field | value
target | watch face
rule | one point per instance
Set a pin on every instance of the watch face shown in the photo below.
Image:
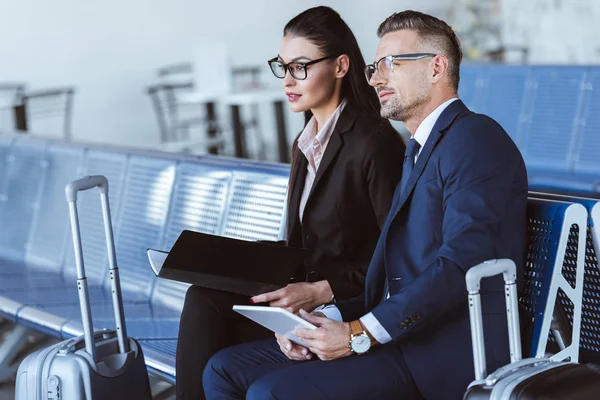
(361, 344)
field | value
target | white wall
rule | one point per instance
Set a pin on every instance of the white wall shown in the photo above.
(110, 49)
(555, 31)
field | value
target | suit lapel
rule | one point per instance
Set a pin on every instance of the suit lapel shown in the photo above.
(296, 188)
(343, 125)
(333, 147)
(444, 121)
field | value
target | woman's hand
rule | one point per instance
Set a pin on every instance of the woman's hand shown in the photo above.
(293, 351)
(296, 296)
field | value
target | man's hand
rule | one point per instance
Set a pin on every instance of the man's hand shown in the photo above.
(330, 341)
(296, 296)
(292, 350)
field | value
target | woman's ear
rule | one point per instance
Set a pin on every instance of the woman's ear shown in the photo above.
(342, 64)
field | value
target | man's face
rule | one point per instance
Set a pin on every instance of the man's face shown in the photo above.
(404, 92)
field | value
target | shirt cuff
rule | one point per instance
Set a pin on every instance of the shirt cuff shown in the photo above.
(330, 311)
(375, 328)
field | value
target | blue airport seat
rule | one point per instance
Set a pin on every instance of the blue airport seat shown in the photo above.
(554, 228)
(590, 326)
(471, 85)
(587, 153)
(50, 234)
(256, 208)
(47, 239)
(160, 357)
(550, 131)
(198, 204)
(505, 97)
(144, 210)
(25, 168)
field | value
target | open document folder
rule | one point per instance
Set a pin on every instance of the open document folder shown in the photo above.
(232, 265)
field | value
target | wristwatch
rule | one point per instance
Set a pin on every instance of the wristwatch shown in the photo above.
(360, 342)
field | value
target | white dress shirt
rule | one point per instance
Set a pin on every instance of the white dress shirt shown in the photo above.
(313, 145)
(369, 321)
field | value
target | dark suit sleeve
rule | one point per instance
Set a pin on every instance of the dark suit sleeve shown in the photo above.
(478, 169)
(382, 169)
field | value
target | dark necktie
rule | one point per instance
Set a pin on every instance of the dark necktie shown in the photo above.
(409, 161)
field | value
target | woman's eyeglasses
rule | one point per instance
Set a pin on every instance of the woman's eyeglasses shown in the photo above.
(297, 69)
(385, 65)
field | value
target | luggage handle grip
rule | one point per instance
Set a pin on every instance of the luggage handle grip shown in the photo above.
(473, 279)
(488, 269)
(85, 183)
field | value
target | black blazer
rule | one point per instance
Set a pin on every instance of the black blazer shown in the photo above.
(348, 203)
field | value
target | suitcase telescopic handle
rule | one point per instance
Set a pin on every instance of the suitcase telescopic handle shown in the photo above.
(86, 183)
(473, 279)
(71, 191)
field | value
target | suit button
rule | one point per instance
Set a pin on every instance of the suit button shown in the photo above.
(310, 239)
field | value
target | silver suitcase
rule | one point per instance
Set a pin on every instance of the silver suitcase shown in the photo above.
(527, 379)
(97, 365)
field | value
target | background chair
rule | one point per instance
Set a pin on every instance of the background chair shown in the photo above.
(11, 94)
(46, 112)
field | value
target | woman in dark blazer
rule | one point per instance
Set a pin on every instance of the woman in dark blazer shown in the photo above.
(345, 166)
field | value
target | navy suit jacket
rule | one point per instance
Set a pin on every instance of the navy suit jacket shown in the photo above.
(464, 203)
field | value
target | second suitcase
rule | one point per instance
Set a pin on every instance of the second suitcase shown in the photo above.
(528, 379)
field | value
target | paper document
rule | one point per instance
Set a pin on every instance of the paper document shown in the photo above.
(157, 259)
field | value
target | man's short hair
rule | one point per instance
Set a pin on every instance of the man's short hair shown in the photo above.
(431, 30)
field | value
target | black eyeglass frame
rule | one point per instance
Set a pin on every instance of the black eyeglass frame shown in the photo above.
(372, 68)
(286, 66)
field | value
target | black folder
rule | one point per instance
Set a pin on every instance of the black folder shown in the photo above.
(232, 265)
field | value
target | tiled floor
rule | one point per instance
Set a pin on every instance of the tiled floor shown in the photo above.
(7, 392)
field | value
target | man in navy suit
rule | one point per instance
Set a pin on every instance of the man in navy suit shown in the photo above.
(461, 201)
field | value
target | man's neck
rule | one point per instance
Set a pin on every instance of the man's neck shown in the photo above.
(412, 124)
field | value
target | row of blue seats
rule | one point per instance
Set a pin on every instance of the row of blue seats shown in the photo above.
(551, 112)
(156, 195)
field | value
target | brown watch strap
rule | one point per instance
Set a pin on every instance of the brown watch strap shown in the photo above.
(356, 328)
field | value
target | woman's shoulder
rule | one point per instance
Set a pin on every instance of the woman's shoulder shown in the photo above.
(374, 131)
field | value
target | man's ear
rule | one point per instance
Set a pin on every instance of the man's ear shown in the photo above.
(342, 65)
(440, 68)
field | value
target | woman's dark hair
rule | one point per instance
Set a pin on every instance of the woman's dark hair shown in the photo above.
(327, 30)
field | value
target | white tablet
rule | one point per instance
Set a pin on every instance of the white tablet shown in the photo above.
(276, 319)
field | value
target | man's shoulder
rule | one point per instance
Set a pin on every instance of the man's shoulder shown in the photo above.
(472, 130)
(471, 121)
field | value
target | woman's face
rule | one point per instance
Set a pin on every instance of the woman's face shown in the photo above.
(319, 86)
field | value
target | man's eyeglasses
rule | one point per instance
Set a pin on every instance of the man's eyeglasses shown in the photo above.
(385, 65)
(297, 69)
